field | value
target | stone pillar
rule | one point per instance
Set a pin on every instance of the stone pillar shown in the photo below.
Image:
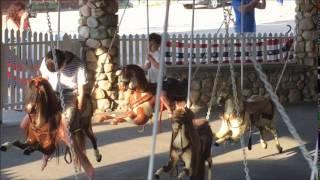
(305, 46)
(97, 26)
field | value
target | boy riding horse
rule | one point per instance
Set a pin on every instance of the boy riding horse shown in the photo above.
(73, 79)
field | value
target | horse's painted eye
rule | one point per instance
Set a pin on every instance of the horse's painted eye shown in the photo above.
(29, 108)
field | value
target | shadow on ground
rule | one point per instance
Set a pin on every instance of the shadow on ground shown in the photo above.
(259, 169)
(268, 164)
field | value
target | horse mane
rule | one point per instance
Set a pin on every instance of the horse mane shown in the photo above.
(48, 103)
(177, 90)
(138, 72)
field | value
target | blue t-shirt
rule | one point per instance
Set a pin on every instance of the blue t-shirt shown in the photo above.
(249, 23)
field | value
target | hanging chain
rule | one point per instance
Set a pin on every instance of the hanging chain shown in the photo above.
(285, 63)
(236, 103)
(214, 89)
(61, 90)
(284, 116)
(226, 19)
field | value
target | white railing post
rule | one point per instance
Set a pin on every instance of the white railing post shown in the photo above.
(220, 47)
(277, 46)
(196, 49)
(136, 52)
(130, 47)
(265, 43)
(4, 78)
(123, 58)
(215, 46)
(203, 51)
(173, 49)
(254, 47)
(232, 48)
(282, 41)
(144, 49)
(209, 49)
(36, 57)
(186, 53)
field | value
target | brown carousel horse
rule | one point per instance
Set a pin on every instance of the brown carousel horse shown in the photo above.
(45, 128)
(191, 141)
(255, 111)
(141, 100)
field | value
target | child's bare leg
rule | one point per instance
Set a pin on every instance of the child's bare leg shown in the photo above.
(25, 123)
(164, 99)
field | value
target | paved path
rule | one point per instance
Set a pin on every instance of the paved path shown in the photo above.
(126, 153)
(270, 20)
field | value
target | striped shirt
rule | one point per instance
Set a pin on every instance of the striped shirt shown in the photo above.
(71, 77)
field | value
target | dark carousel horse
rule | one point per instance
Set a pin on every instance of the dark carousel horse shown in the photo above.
(191, 138)
(255, 111)
(45, 128)
(141, 100)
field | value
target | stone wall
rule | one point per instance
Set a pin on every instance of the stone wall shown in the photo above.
(97, 27)
(98, 24)
(298, 83)
(306, 20)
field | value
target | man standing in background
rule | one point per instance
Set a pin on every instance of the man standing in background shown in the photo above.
(245, 16)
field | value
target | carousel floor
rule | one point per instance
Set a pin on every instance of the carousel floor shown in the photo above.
(126, 152)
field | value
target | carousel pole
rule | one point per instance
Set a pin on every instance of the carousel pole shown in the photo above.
(58, 39)
(191, 56)
(159, 87)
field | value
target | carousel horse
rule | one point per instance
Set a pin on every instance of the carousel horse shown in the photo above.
(255, 111)
(45, 128)
(141, 99)
(191, 142)
(191, 139)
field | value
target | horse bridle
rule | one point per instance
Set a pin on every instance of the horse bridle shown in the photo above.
(34, 104)
(181, 149)
(232, 115)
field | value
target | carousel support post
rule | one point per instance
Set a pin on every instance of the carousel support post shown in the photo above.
(58, 38)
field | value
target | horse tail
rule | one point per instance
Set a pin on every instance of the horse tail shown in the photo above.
(272, 108)
(250, 133)
(199, 173)
(79, 150)
(79, 139)
(203, 151)
(250, 140)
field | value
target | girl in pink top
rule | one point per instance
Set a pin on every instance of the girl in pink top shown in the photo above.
(18, 17)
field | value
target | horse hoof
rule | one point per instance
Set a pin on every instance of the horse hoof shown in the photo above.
(99, 158)
(279, 149)
(156, 176)
(3, 148)
(115, 122)
(27, 152)
(216, 144)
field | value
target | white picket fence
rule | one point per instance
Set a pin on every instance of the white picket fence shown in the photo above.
(22, 55)
(209, 49)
